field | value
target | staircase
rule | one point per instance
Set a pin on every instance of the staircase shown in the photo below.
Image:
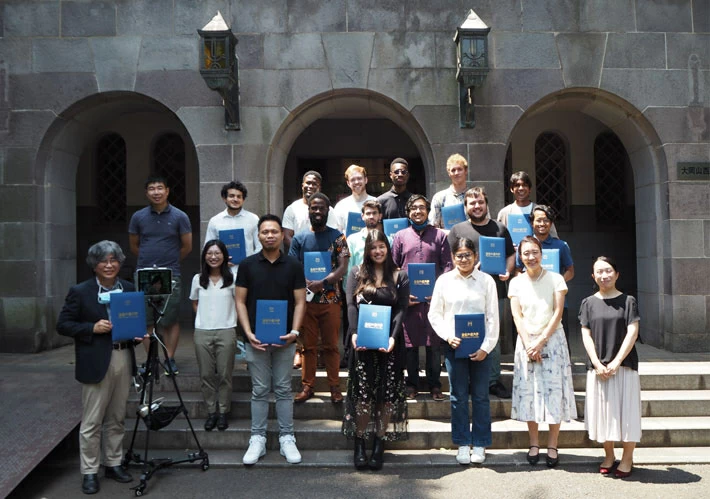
(675, 408)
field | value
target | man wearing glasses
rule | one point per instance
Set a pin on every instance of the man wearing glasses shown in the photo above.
(394, 201)
(480, 224)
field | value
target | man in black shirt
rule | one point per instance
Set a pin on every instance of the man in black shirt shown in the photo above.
(478, 224)
(394, 201)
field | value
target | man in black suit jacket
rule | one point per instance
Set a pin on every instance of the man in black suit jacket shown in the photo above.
(104, 368)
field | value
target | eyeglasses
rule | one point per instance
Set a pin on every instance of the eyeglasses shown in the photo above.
(400, 172)
(213, 253)
(463, 256)
(418, 207)
(107, 261)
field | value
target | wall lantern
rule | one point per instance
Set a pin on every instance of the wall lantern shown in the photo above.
(219, 66)
(471, 64)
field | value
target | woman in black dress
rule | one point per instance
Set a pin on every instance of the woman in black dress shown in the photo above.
(610, 327)
(376, 401)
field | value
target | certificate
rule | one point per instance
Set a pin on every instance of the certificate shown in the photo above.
(492, 252)
(127, 314)
(394, 225)
(373, 326)
(271, 321)
(471, 328)
(316, 265)
(551, 259)
(519, 227)
(355, 223)
(233, 239)
(421, 280)
(452, 215)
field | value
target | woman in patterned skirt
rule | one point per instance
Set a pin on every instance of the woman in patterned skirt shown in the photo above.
(610, 327)
(376, 402)
(542, 382)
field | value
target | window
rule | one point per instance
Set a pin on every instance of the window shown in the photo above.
(551, 175)
(111, 171)
(610, 164)
(169, 162)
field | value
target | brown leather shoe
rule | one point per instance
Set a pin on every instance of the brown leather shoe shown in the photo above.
(305, 393)
(335, 396)
(297, 360)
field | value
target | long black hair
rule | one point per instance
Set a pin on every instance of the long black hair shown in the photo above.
(227, 276)
(367, 279)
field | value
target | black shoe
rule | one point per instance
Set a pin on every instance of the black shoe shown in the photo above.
(90, 483)
(118, 473)
(377, 458)
(533, 460)
(360, 454)
(222, 422)
(211, 421)
(499, 390)
(552, 461)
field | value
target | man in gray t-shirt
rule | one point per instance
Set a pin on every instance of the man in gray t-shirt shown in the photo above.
(161, 235)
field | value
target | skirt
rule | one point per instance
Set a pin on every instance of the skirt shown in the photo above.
(612, 410)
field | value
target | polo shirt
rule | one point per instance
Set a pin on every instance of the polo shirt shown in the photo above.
(270, 281)
(159, 236)
(393, 204)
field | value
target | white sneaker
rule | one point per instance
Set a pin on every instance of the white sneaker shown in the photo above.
(256, 450)
(478, 455)
(464, 454)
(289, 449)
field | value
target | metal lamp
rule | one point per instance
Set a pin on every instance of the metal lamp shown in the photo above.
(471, 64)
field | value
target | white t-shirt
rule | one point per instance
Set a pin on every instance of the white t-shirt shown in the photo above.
(296, 217)
(216, 308)
(344, 207)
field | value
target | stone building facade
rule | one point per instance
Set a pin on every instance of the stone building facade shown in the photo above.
(606, 103)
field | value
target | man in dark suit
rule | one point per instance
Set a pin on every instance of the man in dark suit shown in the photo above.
(103, 367)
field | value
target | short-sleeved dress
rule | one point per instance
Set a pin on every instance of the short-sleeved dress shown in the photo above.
(542, 391)
(375, 392)
(612, 409)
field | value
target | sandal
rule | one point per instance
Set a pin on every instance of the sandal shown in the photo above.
(533, 459)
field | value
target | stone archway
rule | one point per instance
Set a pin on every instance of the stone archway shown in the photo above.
(56, 167)
(339, 103)
(648, 162)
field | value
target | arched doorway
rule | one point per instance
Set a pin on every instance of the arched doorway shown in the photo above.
(340, 111)
(94, 159)
(598, 161)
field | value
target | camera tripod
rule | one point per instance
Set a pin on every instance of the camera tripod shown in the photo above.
(156, 416)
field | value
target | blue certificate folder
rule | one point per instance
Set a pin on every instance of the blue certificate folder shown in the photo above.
(127, 314)
(452, 215)
(519, 227)
(394, 225)
(471, 328)
(316, 265)
(421, 280)
(492, 251)
(234, 241)
(551, 260)
(355, 223)
(373, 326)
(271, 321)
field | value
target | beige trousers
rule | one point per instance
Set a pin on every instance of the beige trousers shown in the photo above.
(104, 414)
(215, 349)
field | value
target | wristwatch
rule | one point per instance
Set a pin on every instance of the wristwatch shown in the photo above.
(293, 331)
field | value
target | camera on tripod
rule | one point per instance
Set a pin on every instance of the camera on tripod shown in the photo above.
(155, 282)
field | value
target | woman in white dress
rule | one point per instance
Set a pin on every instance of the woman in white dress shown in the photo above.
(610, 327)
(542, 382)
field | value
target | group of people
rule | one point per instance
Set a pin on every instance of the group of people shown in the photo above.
(367, 267)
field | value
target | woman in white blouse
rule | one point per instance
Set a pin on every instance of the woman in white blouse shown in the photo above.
(465, 290)
(213, 300)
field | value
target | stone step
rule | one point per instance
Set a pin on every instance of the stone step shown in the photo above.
(325, 434)
(643, 456)
(658, 403)
(655, 377)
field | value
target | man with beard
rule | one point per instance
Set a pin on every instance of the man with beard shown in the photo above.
(520, 186)
(295, 217)
(323, 310)
(271, 275)
(480, 224)
(394, 201)
(421, 243)
(457, 169)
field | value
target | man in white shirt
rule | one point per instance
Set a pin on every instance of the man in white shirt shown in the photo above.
(235, 217)
(356, 178)
(457, 168)
(295, 217)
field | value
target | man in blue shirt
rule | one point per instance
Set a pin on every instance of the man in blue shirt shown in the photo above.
(161, 235)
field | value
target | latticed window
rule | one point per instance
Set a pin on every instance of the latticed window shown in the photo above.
(111, 168)
(169, 162)
(610, 160)
(551, 175)
(507, 172)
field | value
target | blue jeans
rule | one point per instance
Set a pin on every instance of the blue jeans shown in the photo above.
(275, 365)
(468, 378)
